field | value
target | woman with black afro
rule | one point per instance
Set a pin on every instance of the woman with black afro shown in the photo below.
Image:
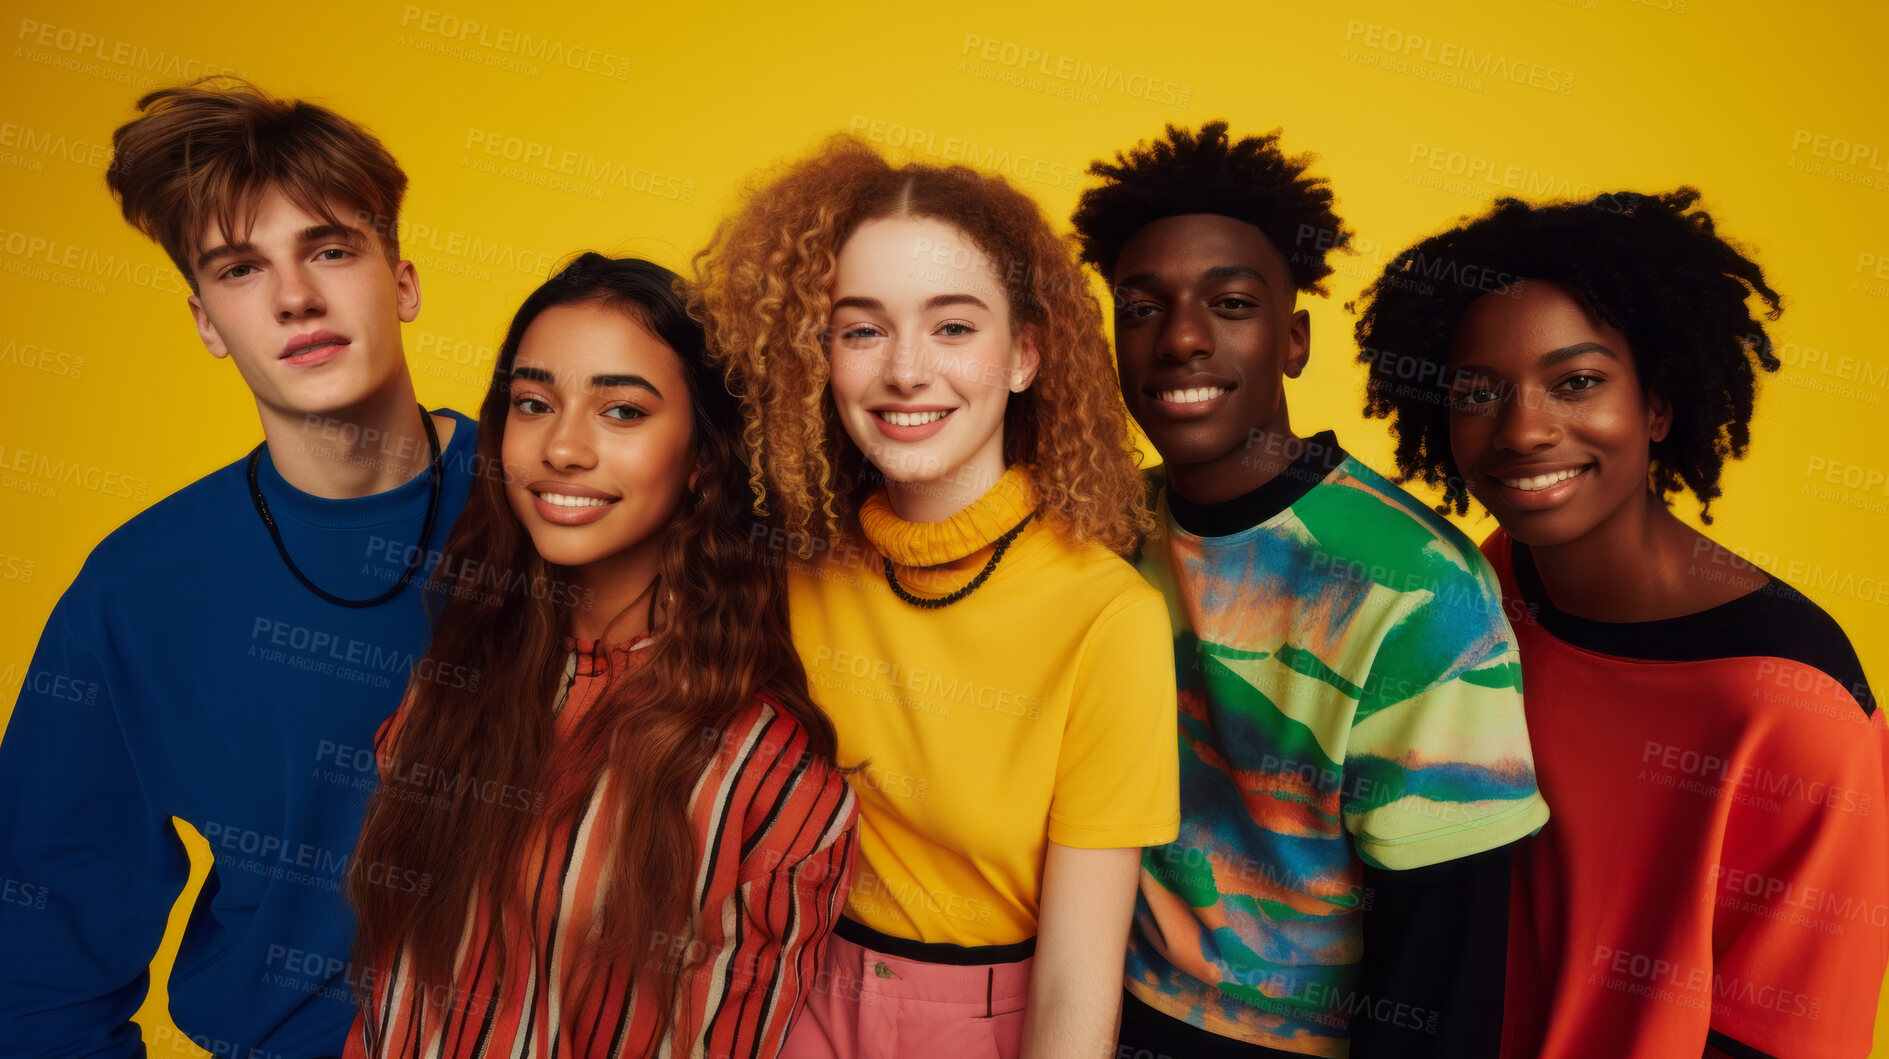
(1715, 877)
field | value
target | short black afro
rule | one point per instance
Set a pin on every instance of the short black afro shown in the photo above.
(1649, 265)
(1249, 180)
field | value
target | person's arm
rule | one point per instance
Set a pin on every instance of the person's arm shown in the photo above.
(1439, 784)
(1800, 924)
(799, 847)
(88, 868)
(1082, 932)
(1435, 954)
(1117, 790)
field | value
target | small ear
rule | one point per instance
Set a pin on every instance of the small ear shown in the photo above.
(406, 291)
(205, 329)
(1028, 360)
(1298, 343)
(1659, 416)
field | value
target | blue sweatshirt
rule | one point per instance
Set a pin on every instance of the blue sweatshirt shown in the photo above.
(187, 673)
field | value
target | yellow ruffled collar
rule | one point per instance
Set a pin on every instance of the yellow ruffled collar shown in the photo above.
(966, 533)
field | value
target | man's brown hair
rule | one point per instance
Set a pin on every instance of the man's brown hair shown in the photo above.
(208, 150)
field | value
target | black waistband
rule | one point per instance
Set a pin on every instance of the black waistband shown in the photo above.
(933, 951)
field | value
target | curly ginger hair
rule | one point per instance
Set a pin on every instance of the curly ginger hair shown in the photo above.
(764, 294)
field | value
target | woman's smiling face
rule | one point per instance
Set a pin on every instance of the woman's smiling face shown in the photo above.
(1549, 425)
(923, 355)
(599, 438)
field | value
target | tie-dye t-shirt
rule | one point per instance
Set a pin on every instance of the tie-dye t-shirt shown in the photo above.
(1349, 695)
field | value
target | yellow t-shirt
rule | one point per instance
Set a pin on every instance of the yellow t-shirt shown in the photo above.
(1039, 708)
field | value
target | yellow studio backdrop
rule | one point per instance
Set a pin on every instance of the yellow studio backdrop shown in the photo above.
(531, 132)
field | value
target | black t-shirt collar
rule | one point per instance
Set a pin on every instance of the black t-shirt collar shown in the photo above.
(1320, 456)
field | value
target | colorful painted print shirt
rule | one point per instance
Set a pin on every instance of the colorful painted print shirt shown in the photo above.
(1349, 695)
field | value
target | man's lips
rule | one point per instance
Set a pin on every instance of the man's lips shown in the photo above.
(1187, 396)
(310, 342)
(312, 346)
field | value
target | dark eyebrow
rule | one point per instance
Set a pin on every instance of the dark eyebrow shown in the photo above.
(321, 233)
(599, 382)
(604, 382)
(315, 234)
(939, 301)
(1546, 360)
(1142, 279)
(868, 304)
(1556, 356)
(1235, 272)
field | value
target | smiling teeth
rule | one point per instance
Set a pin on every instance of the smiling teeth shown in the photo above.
(1194, 395)
(911, 419)
(1540, 481)
(562, 500)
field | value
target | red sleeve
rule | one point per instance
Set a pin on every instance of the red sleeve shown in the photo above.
(1801, 921)
(776, 885)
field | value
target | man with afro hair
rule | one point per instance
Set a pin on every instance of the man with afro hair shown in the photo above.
(1354, 765)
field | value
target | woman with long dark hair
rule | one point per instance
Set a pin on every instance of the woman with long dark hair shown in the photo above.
(608, 822)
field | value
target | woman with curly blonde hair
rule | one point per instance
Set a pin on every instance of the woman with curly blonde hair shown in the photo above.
(937, 434)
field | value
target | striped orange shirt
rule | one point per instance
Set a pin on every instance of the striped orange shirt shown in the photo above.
(774, 828)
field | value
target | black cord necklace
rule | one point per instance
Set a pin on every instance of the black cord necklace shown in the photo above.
(1000, 545)
(435, 478)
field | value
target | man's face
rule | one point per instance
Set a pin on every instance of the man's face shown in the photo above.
(309, 312)
(1205, 334)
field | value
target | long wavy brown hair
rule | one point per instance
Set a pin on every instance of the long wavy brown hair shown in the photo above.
(720, 638)
(764, 293)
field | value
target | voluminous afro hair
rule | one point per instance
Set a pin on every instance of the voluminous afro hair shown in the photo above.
(1249, 180)
(765, 295)
(1651, 266)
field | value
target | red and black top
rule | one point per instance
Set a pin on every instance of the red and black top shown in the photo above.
(1717, 866)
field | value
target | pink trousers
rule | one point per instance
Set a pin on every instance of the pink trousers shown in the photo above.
(872, 1004)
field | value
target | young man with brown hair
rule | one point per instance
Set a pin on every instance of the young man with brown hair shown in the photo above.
(226, 656)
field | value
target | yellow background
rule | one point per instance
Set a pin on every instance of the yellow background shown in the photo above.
(649, 118)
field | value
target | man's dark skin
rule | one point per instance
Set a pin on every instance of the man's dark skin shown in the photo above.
(1205, 302)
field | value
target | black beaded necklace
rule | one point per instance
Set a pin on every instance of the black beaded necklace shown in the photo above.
(1000, 545)
(435, 477)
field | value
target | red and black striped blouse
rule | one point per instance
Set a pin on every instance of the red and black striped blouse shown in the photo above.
(774, 827)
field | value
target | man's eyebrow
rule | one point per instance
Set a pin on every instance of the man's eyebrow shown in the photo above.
(210, 256)
(323, 232)
(312, 234)
(1143, 279)
(1235, 272)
